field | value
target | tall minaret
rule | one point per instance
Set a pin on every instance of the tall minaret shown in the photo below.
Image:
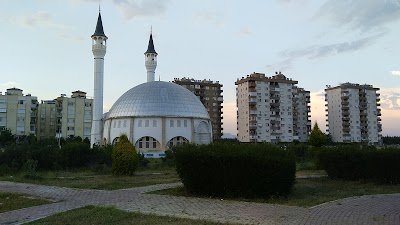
(151, 60)
(99, 40)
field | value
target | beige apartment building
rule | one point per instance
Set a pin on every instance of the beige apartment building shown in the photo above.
(18, 112)
(271, 109)
(65, 116)
(210, 94)
(353, 113)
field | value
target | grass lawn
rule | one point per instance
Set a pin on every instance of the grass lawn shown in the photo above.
(92, 180)
(311, 191)
(99, 215)
(10, 201)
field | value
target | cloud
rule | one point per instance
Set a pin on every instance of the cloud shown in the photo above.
(245, 31)
(38, 19)
(210, 17)
(395, 72)
(321, 51)
(141, 8)
(390, 98)
(11, 84)
(365, 15)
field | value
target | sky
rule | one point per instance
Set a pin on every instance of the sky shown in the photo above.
(46, 46)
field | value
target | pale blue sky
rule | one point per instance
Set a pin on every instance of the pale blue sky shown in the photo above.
(46, 46)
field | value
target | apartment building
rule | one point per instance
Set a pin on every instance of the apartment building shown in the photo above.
(210, 94)
(18, 112)
(271, 109)
(65, 116)
(353, 113)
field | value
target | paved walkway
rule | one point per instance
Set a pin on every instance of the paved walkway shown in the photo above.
(377, 209)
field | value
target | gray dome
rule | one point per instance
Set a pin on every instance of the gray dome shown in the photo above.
(160, 99)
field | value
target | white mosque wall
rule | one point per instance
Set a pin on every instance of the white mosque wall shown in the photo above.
(176, 127)
(147, 126)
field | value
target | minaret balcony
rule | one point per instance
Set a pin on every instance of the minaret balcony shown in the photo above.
(99, 47)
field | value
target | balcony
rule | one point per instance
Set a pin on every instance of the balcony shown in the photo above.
(346, 124)
(252, 84)
(253, 112)
(345, 113)
(344, 107)
(346, 129)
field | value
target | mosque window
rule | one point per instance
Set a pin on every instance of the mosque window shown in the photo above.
(115, 124)
(140, 143)
(185, 123)
(171, 123)
(119, 124)
(124, 123)
(178, 123)
(154, 123)
(140, 123)
(146, 124)
(147, 142)
(154, 143)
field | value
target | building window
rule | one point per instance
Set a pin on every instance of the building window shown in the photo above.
(140, 143)
(140, 123)
(119, 124)
(88, 104)
(70, 128)
(71, 120)
(171, 123)
(115, 124)
(154, 143)
(146, 124)
(70, 103)
(20, 119)
(3, 110)
(147, 142)
(20, 128)
(125, 123)
(88, 112)
(3, 101)
(71, 112)
(21, 102)
(178, 123)
(22, 111)
(154, 123)
(185, 123)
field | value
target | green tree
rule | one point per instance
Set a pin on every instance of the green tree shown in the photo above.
(316, 138)
(6, 137)
(124, 157)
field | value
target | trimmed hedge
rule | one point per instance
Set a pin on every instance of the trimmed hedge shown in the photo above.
(361, 163)
(222, 169)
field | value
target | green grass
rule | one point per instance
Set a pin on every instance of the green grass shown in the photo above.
(10, 201)
(311, 191)
(100, 215)
(92, 180)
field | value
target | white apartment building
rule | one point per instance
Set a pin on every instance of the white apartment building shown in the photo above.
(353, 113)
(18, 112)
(271, 109)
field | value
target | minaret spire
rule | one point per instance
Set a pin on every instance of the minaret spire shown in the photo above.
(99, 42)
(151, 58)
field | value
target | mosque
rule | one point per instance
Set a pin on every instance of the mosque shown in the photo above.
(155, 115)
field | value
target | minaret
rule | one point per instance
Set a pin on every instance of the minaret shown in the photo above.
(151, 60)
(99, 40)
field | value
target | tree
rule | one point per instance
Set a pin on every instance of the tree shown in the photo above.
(124, 157)
(6, 137)
(316, 138)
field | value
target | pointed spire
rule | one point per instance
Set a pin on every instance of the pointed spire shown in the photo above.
(150, 48)
(99, 27)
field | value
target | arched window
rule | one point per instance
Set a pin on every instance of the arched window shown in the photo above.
(176, 141)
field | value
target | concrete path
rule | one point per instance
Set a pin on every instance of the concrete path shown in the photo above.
(377, 209)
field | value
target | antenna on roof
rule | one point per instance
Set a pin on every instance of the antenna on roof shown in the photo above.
(159, 77)
(99, 7)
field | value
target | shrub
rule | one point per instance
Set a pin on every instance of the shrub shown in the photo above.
(124, 157)
(384, 165)
(356, 162)
(233, 170)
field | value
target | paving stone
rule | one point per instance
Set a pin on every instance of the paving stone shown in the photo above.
(376, 209)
